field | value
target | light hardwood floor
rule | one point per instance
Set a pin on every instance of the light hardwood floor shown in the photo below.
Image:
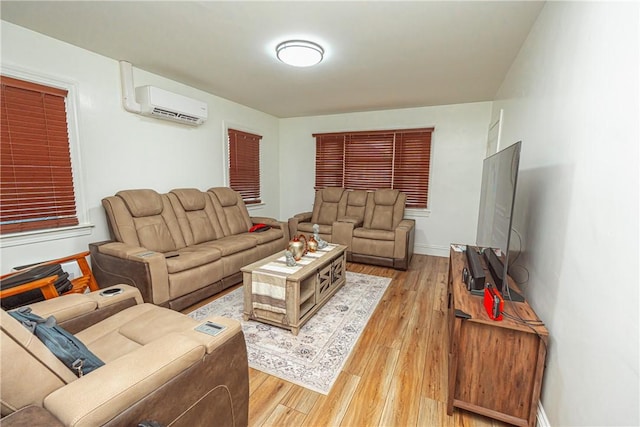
(395, 376)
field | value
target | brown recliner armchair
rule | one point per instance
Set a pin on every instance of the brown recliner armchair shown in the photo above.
(386, 237)
(327, 204)
(370, 223)
(157, 367)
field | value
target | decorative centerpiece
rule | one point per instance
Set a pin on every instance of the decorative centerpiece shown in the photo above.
(312, 245)
(316, 236)
(298, 246)
(288, 256)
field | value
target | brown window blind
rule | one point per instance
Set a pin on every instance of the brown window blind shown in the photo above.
(368, 161)
(36, 186)
(397, 159)
(411, 166)
(244, 165)
(329, 160)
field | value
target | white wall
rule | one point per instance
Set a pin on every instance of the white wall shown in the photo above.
(120, 150)
(458, 144)
(572, 97)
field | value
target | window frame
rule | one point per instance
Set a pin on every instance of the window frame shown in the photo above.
(387, 140)
(84, 225)
(227, 161)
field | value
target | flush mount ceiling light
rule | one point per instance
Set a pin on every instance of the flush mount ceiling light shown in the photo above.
(299, 53)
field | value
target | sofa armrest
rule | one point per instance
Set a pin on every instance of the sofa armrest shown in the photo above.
(232, 328)
(342, 233)
(97, 397)
(76, 312)
(70, 306)
(351, 219)
(296, 219)
(115, 263)
(303, 216)
(404, 242)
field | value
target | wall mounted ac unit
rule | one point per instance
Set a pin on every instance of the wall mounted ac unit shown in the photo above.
(159, 103)
(156, 102)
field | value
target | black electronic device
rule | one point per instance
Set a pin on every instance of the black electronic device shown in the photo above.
(495, 217)
(496, 268)
(111, 292)
(475, 278)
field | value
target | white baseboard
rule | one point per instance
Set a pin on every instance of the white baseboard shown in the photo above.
(541, 417)
(434, 250)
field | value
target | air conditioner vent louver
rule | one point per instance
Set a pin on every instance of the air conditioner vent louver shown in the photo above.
(161, 112)
(162, 104)
(173, 115)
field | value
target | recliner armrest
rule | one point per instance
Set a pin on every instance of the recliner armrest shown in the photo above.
(72, 306)
(304, 216)
(404, 240)
(296, 219)
(111, 389)
(351, 219)
(114, 262)
(232, 327)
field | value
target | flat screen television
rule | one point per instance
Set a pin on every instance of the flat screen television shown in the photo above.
(495, 217)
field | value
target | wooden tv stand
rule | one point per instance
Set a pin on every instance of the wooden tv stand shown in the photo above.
(495, 367)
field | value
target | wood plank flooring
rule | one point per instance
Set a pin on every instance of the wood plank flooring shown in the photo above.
(395, 376)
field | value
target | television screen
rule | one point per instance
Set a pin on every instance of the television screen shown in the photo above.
(497, 195)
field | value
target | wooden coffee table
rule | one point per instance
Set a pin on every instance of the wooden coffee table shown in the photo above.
(288, 296)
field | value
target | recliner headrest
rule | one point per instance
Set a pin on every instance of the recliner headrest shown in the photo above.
(226, 196)
(141, 203)
(356, 198)
(386, 196)
(191, 199)
(332, 194)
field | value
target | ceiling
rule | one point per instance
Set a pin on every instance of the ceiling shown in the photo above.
(379, 54)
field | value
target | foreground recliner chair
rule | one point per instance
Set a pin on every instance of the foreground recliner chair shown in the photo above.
(157, 367)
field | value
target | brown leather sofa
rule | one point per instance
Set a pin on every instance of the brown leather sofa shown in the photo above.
(157, 367)
(370, 223)
(181, 247)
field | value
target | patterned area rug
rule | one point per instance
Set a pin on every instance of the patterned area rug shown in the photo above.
(314, 358)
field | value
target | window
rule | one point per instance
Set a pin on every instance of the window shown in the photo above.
(244, 165)
(397, 159)
(37, 190)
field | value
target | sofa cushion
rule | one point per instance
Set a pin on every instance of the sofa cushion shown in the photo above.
(373, 234)
(196, 215)
(385, 209)
(232, 244)
(386, 196)
(231, 210)
(356, 203)
(192, 257)
(266, 236)
(191, 199)
(143, 218)
(325, 206)
(141, 203)
(154, 234)
(131, 329)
